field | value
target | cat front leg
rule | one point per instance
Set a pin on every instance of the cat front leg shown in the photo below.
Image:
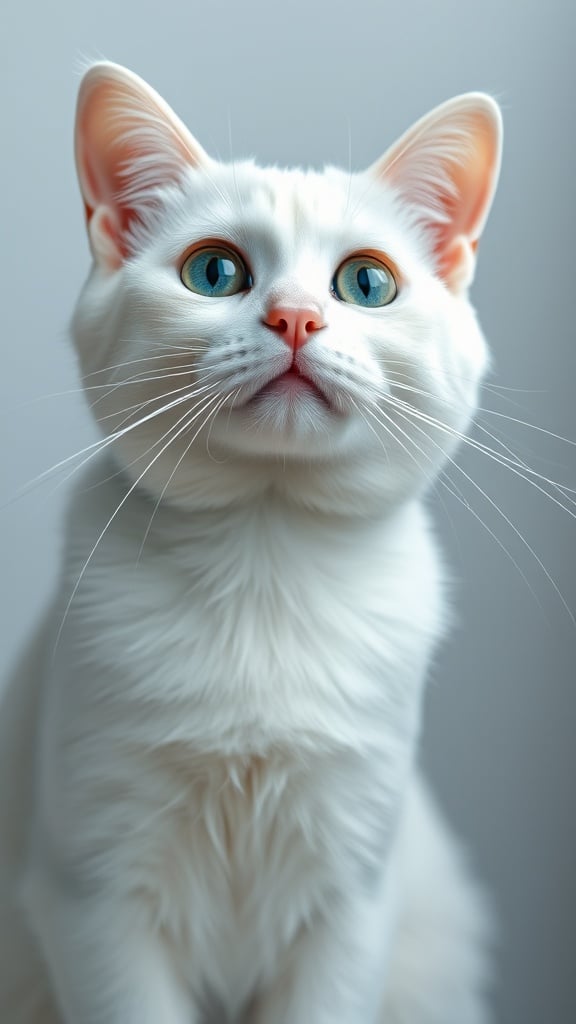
(333, 973)
(107, 965)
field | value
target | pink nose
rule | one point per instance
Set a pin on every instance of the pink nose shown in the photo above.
(293, 324)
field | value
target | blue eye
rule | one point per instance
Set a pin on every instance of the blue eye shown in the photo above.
(364, 281)
(216, 272)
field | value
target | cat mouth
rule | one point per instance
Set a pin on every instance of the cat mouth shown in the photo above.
(291, 385)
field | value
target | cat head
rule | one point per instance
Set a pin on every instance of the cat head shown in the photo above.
(246, 327)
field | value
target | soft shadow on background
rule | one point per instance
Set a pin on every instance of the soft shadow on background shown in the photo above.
(309, 83)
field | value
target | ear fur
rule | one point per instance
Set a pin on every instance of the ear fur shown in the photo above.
(129, 144)
(446, 168)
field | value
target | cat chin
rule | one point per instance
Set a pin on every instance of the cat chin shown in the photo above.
(295, 424)
(318, 458)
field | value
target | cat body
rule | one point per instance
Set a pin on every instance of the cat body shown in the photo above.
(209, 801)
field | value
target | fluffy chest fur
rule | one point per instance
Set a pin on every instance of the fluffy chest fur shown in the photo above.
(243, 703)
(274, 624)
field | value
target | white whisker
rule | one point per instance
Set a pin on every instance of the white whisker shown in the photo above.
(456, 493)
(389, 428)
(211, 413)
(233, 396)
(409, 414)
(516, 466)
(185, 398)
(109, 522)
(93, 448)
(490, 412)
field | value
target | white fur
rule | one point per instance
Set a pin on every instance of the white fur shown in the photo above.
(207, 756)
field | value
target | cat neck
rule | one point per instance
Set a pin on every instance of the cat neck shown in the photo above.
(349, 489)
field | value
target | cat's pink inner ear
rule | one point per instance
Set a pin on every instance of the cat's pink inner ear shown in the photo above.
(129, 146)
(446, 169)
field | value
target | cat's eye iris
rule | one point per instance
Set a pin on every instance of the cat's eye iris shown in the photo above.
(364, 281)
(215, 272)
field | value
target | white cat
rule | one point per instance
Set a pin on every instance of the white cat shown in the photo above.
(209, 807)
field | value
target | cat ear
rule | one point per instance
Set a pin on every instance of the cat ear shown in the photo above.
(446, 169)
(129, 144)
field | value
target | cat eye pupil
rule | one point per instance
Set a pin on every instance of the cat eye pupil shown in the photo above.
(212, 272)
(364, 281)
(218, 268)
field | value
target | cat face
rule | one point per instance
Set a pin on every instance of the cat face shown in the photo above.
(263, 319)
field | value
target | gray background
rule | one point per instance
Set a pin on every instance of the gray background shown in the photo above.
(302, 83)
